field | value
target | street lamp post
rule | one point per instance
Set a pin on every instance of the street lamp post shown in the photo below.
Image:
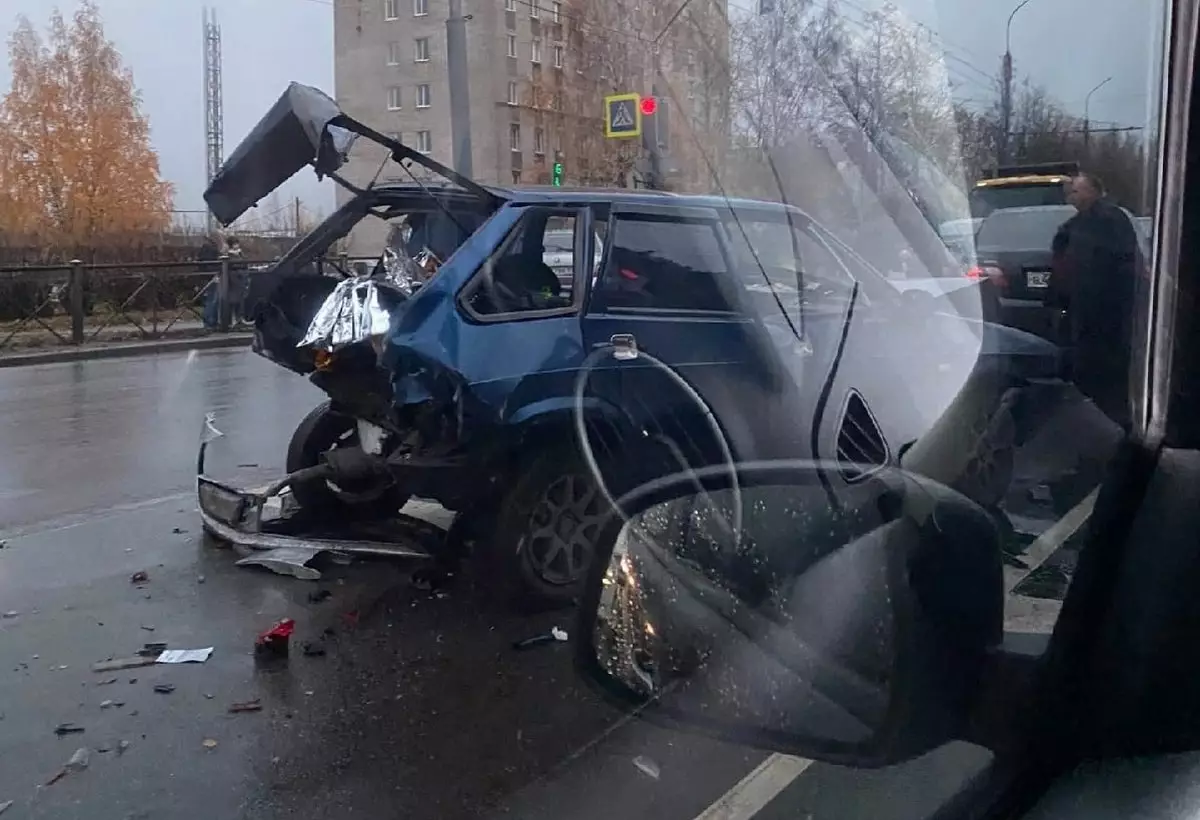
(1006, 87)
(1087, 101)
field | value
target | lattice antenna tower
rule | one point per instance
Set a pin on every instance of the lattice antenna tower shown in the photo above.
(214, 106)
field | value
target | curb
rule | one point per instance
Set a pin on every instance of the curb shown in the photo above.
(119, 350)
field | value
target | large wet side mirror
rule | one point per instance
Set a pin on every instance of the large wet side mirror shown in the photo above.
(763, 606)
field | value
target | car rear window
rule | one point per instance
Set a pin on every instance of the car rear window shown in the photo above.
(1021, 230)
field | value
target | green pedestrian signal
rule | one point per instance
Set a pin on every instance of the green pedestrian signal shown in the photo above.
(556, 174)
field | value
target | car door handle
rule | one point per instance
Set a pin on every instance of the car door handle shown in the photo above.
(624, 347)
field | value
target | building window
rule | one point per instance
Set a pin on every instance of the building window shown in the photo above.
(393, 57)
(424, 142)
(534, 9)
(558, 56)
(512, 93)
(423, 95)
(420, 8)
(389, 9)
(510, 5)
(394, 98)
(516, 177)
(421, 50)
(535, 51)
(514, 137)
(539, 138)
(512, 45)
(556, 11)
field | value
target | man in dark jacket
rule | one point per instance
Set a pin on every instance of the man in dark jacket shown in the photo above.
(1095, 282)
(1096, 270)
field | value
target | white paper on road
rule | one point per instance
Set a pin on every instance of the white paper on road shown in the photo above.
(185, 655)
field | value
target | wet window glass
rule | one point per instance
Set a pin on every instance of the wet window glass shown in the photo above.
(898, 251)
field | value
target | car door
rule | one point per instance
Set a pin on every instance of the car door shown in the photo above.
(874, 354)
(695, 365)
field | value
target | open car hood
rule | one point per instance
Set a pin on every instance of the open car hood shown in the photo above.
(303, 127)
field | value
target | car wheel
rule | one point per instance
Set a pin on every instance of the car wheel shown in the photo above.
(549, 528)
(326, 429)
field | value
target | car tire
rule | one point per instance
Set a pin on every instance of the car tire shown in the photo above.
(547, 531)
(324, 429)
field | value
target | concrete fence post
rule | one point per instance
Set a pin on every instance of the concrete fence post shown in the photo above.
(75, 294)
(224, 291)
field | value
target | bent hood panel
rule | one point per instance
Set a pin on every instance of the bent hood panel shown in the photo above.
(296, 132)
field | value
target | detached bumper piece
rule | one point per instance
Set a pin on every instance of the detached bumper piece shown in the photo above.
(259, 524)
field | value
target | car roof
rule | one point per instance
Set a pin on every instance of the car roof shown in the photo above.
(552, 193)
(529, 194)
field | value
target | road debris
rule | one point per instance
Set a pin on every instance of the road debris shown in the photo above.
(647, 766)
(200, 579)
(12, 613)
(274, 642)
(209, 743)
(313, 649)
(147, 628)
(122, 747)
(67, 729)
(7, 804)
(185, 655)
(246, 706)
(153, 650)
(178, 530)
(554, 635)
(106, 704)
(107, 682)
(79, 761)
(115, 664)
(164, 688)
(139, 577)
(285, 561)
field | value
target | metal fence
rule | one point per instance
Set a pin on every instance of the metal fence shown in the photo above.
(77, 304)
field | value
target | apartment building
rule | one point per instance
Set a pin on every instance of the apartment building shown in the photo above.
(536, 82)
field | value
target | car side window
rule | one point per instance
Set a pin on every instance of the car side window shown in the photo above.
(533, 271)
(827, 283)
(664, 263)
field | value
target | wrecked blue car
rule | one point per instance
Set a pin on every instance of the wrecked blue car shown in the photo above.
(525, 355)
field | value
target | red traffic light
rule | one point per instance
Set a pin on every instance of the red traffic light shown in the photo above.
(648, 106)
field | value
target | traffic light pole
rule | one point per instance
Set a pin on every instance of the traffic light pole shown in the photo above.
(650, 141)
(460, 100)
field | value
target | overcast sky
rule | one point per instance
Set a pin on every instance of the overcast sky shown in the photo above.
(1067, 45)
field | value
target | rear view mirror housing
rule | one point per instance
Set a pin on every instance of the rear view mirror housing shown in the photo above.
(760, 606)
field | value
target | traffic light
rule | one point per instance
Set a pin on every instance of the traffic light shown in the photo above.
(556, 174)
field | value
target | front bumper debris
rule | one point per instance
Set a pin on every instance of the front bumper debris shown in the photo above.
(255, 521)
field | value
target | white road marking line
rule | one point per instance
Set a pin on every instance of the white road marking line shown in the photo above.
(1045, 544)
(754, 791)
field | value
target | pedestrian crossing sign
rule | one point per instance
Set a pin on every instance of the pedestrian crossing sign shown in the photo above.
(622, 116)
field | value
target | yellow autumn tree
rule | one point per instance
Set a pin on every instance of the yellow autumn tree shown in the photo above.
(76, 166)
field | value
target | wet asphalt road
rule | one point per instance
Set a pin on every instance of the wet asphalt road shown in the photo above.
(419, 708)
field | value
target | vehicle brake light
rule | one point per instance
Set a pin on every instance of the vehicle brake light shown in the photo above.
(990, 272)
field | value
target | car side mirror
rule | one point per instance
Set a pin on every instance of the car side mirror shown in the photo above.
(761, 606)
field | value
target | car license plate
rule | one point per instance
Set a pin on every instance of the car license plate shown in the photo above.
(1037, 279)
